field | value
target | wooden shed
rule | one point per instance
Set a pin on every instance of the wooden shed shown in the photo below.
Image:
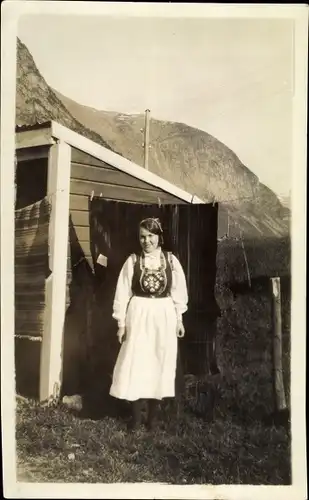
(68, 171)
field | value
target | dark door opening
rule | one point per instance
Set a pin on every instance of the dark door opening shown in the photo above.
(31, 182)
(190, 232)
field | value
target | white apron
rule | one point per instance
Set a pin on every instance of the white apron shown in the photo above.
(146, 364)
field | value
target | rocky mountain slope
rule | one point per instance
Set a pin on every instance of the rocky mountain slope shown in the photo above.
(188, 157)
(195, 161)
(285, 200)
(36, 102)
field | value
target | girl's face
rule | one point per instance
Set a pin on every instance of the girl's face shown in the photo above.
(149, 241)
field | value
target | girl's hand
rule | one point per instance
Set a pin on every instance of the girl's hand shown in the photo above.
(180, 330)
(121, 333)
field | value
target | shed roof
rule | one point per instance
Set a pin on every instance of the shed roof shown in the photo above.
(49, 132)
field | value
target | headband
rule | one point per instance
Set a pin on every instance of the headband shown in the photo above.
(153, 219)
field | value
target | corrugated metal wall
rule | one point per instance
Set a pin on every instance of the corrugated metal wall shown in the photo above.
(31, 271)
(31, 267)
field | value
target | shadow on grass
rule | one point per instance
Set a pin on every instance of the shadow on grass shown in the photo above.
(98, 404)
(179, 451)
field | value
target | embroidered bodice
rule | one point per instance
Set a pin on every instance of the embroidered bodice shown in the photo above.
(150, 280)
(141, 274)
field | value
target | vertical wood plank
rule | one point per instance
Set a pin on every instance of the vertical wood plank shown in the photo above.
(58, 189)
(280, 400)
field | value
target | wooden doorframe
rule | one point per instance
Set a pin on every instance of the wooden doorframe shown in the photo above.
(58, 191)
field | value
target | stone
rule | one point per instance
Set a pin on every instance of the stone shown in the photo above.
(74, 402)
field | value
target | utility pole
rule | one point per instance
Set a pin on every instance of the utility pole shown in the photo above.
(146, 140)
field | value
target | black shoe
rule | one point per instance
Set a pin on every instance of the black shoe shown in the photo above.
(150, 425)
(136, 420)
(152, 413)
(133, 425)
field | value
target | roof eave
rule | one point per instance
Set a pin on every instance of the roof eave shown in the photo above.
(84, 144)
(47, 133)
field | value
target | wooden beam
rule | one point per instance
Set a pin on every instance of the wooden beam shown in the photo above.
(82, 158)
(82, 233)
(36, 153)
(121, 193)
(100, 152)
(108, 176)
(58, 189)
(34, 138)
(79, 202)
(80, 218)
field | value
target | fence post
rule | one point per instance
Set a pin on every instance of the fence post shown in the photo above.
(245, 257)
(58, 190)
(280, 400)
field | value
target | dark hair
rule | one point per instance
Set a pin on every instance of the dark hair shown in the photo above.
(154, 226)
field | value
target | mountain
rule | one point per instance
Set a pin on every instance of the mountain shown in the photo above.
(285, 200)
(37, 103)
(193, 160)
(188, 157)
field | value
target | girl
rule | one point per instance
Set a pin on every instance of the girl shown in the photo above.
(150, 299)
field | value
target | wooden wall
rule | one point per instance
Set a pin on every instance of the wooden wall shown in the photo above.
(91, 175)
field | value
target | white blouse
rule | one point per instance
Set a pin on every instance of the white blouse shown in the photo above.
(124, 293)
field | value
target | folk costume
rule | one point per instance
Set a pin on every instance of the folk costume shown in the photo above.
(151, 295)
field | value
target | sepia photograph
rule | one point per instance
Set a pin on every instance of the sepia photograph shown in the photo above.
(156, 201)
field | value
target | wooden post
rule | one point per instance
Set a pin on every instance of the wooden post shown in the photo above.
(58, 189)
(245, 257)
(280, 400)
(146, 140)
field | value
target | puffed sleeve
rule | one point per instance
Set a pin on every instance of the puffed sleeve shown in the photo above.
(179, 292)
(123, 292)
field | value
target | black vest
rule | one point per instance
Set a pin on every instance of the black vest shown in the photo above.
(152, 283)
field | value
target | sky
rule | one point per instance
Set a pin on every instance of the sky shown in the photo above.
(232, 78)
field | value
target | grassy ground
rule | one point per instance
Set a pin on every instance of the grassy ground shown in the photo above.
(54, 445)
(235, 445)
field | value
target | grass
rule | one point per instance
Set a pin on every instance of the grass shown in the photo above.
(234, 446)
(266, 257)
(192, 452)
